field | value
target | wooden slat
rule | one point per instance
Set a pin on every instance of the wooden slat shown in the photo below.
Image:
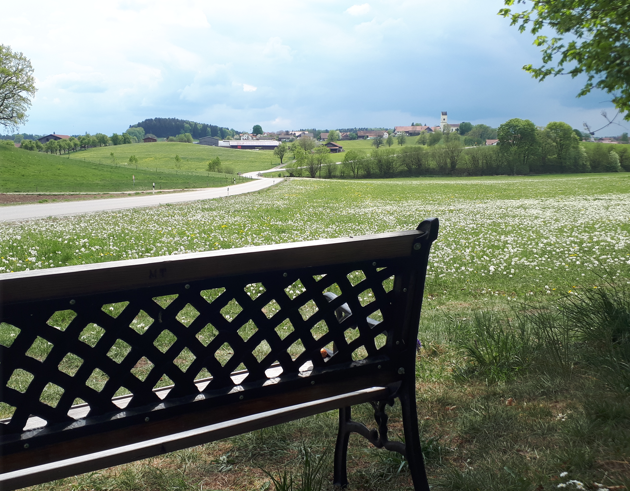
(156, 446)
(125, 275)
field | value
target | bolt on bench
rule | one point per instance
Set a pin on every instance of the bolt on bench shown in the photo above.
(109, 363)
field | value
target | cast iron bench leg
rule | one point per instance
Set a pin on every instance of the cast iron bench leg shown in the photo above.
(340, 476)
(413, 450)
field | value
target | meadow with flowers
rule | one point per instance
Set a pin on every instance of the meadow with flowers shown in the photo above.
(515, 389)
(499, 236)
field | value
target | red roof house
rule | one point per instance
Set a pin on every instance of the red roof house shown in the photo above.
(47, 138)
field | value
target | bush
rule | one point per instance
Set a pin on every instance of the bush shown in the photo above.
(613, 162)
(214, 165)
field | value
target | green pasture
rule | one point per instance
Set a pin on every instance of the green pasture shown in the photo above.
(22, 171)
(524, 376)
(367, 146)
(161, 155)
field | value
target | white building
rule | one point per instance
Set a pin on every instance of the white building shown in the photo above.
(444, 122)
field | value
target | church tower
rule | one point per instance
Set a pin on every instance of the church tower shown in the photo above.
(443, 120)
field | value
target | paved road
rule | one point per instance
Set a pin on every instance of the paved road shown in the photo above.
(27, 212)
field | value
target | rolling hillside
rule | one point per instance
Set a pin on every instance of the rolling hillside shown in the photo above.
(193, 157)
(24, 171)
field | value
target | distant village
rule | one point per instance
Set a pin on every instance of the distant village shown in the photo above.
(271, 140)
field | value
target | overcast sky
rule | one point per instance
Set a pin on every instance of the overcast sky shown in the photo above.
(103, 66)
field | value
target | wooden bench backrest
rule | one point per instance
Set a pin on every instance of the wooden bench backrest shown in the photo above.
(29, 299)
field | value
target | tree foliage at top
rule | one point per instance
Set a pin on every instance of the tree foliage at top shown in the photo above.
(17, 86)
(165, 127)
(593, 38)
(257, 130)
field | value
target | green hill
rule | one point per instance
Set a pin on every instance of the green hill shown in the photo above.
(24, 171)
(193, 157)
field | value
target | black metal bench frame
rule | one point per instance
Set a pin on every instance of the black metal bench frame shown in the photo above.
(39, 443)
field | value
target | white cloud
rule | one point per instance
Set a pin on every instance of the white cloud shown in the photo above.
(214, 81)
(276, 51)
(279, 123)
(93, 82)
(359, 9)
(110, 64)
(18, 21)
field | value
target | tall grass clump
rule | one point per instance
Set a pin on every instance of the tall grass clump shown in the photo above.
(544, 390)
(310, 477)
(590, 328)
(496, 347)
(600, 319)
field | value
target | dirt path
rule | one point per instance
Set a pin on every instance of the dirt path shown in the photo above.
(17, 199)
(13, 211)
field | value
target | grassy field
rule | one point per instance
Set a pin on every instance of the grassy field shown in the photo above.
(518, 381)
(161, 155)
(195, 157)
(366, 145)
(24, 172)
(95, 170)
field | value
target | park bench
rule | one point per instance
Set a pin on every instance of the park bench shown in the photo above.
(297, 329)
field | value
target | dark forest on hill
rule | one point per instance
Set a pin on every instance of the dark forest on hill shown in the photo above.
(165, 127)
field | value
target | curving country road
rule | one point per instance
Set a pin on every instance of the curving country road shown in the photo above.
(27, 212)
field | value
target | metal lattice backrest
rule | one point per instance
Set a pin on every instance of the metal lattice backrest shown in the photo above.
(203, 329)
(102, 342)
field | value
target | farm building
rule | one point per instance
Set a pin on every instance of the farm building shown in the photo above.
(249, 144)
(149, 139)
(412, 130)
(366, 135)
(209, 140)
(334, 148)
(47, 138)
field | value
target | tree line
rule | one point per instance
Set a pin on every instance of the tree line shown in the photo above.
(74, 144)
(447, 160)
(522, 149)
(165, 127)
